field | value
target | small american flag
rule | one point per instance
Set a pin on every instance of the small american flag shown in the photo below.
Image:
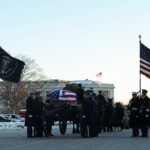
(144, 60)
(63, 95)
(99, 74)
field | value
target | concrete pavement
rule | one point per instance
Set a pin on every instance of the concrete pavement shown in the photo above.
(16, 140)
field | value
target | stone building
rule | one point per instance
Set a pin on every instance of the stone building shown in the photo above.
(49, 86)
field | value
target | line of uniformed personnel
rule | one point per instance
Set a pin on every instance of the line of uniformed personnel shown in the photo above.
(92, 108)
(33, 118)
(139, 107)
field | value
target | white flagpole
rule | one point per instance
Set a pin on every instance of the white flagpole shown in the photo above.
(102, 73)
(139, 67)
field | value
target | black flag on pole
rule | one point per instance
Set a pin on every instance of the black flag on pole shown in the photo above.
(10, 67)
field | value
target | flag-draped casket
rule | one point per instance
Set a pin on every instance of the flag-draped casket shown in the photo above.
(63, 95)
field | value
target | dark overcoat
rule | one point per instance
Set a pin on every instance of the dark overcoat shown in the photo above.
(89, 116)
(80, 93)
(134, 107)
(30, 117)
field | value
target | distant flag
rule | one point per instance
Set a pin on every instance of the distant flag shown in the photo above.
(144, 60)
(10, 67)
(99, 74)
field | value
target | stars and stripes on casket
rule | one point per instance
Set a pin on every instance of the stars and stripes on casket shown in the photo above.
(63, 95)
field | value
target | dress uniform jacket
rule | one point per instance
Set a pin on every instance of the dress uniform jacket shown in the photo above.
(134, 107)
(145, 110)
(89, 115)
(80, 97)
(30, 117)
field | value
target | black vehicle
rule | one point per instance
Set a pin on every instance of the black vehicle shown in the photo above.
(61, 111)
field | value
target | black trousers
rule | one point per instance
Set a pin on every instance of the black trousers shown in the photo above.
(39, 127)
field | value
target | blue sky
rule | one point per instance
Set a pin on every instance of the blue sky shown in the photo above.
(75, 39)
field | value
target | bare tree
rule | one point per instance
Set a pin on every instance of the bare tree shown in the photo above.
(14, 94)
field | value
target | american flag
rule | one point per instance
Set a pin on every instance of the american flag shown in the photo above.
(99, 74)
(144, 60)
(63, 95)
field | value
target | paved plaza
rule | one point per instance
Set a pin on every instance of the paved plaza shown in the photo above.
(16, 140)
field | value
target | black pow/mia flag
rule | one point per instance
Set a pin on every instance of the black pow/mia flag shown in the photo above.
(10, 67)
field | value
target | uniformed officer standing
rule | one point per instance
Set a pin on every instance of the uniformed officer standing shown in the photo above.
(49, 120)
(86, 121)
(145, 113)
(80, 93)
(134, 107)
(30, 117)
(101, 110)
(39, 111)
(94, 109)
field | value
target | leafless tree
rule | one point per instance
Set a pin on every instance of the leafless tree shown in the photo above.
(13, 94)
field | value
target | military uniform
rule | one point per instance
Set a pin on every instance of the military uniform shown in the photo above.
(134, 107)
(145, 114)
(87, 118)
(49, 120)
(39, 110)
(90, 115)
(101, 110)
(30, 117)
(79, 93)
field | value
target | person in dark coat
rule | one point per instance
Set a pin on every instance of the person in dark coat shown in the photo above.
(94, 110)
(119, 114)
(101, 110)
(39, 111)
(145, 113)
(80, 93)
(109, 115)
(49, 120)
(86, 119)
(134, 107)
(90, 114)
(101, 98)
(30, 117)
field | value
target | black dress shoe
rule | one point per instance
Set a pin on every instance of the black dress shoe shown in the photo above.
(134, 135)
(143, 136)
(74, 131)
(77, 131)
(51, 134)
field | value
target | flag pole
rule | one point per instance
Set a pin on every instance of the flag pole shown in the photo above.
(139, 66)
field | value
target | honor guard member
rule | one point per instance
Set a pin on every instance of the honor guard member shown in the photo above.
(101, 98)
(30, 117)
(49, 120)
(94, 109)
(80, 93)
(145, 113)
(86, 120)
(101, 110)
(39, 110)
(134, 107)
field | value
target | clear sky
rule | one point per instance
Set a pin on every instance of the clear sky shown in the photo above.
(75, 39)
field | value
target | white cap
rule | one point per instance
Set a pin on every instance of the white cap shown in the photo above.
(30, 92)
(134, 93)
